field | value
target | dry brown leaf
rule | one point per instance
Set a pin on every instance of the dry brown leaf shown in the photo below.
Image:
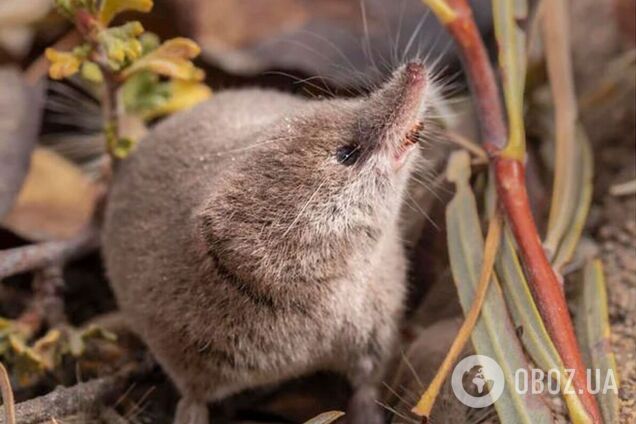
(57, 200)
(20, 108)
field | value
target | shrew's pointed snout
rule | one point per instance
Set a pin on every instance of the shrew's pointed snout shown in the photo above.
(415, 73)
(400, 98)
(395, 111)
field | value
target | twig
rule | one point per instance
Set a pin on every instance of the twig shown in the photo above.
(426, 402)
(481, 75)
(471, 146)
(84, 397)
(29, 258)
(511, 189)
(47, 301)
(65, 401)
(7, 396)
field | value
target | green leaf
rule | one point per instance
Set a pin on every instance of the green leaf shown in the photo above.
(494, 335)
(91, 72)
(181, 95)
(96, 332)
(582, 165)
(171, 59)
(512, 60)
(68, 8)
(143, 92)
(524, 311)
(534, 336)
(121, 44)
(593, 332)
(570, 190)
(111, 8)
(149, 42)
(123, 147)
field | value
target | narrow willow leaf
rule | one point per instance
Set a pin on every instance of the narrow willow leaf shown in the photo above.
(526, 315)
(524, 311)
(583, 192)
(568, 154)
(494, 335)
(326, 417)
(593, 331)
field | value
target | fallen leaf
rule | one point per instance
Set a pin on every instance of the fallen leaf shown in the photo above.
(20, 110)
(56, 201)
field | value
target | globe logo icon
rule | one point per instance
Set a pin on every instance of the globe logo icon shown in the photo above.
(477, 381)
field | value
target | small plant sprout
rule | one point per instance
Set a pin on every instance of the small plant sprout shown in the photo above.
(134, 73)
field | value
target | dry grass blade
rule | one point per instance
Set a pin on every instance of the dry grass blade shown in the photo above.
(565, 193)
(593, 328)
(7, 396)
(326, 417)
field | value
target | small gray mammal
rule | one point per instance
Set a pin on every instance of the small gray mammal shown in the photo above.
(255, 239)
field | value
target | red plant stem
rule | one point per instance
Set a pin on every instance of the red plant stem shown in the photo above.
(511, 188)
(481, 77)
(544, 283)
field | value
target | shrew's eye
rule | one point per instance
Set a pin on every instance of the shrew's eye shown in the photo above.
(348, 155)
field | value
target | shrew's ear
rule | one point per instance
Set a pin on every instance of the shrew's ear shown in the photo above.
(210, 228)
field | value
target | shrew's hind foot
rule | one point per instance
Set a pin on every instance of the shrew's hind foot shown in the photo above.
(190, 411)
(363, 407)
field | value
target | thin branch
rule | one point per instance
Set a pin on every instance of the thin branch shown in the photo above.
(36, 256)
(82, 397)
(7, 396)
(466, 143)
(65, 401)
(47, 300)
(481, 75)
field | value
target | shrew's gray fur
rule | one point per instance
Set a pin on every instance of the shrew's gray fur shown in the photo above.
(245, 251)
